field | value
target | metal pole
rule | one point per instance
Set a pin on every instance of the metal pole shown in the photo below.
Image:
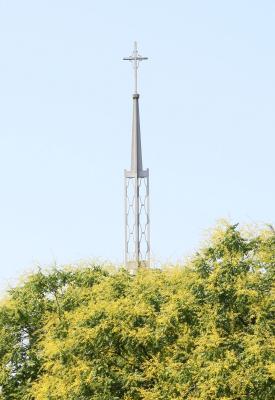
(148, 221)
(126, 218)
(136, 220)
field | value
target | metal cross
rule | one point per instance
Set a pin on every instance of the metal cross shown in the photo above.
(135, 59)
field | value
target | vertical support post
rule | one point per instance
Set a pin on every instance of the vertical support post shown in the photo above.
(125, 219)
(137, 218)
(136, 65)
(148, 220)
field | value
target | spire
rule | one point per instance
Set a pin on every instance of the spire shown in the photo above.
(136, 160)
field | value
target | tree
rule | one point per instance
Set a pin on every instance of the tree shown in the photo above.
(201, 331)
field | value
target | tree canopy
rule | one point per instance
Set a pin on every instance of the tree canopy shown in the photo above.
(200, 331)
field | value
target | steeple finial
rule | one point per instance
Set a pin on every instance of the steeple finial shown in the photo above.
(135, 59)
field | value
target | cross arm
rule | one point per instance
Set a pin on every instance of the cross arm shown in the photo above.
(132, 58)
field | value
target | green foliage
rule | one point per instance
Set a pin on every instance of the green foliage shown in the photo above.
(202, 331)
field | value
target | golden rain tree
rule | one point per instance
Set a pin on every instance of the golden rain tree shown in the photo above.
(201, 331)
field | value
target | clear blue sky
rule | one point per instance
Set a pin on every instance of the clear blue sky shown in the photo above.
(207, 118)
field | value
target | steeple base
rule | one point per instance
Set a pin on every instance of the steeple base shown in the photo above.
(137, 222)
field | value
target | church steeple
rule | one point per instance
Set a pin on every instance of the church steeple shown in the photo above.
(137, 221)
